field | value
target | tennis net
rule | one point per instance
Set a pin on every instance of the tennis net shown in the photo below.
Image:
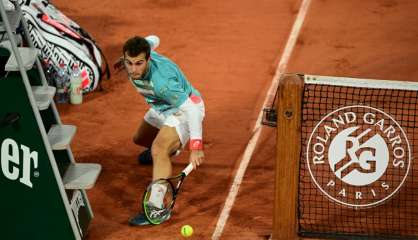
(357, 177)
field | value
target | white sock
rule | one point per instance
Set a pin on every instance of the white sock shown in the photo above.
(157, 195)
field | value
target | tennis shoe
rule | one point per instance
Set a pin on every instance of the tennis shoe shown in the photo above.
(141, 219)
(145, 158)
(159, 213)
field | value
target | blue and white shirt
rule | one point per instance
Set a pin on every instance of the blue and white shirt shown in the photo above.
(164, 85)
(166, 90)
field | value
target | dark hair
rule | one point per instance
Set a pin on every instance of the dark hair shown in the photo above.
(135, 46)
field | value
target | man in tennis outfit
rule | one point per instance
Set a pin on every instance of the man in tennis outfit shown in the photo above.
(175, 115)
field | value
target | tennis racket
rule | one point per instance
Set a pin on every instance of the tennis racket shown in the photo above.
(160, 196)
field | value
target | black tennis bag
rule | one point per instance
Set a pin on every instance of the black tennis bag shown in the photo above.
(61, 40)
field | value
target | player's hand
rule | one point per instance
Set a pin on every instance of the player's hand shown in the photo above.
(118, 65)
(196, 158)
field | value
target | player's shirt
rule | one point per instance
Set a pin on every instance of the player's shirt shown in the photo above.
(164, 85)
(167, 90)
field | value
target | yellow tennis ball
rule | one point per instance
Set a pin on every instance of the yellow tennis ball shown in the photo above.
(186, 231)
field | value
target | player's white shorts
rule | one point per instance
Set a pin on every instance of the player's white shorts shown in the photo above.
(178, 120)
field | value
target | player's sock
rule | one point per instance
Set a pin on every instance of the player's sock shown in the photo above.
(157, 195)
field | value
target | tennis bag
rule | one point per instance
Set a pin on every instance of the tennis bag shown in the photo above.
(61, 40)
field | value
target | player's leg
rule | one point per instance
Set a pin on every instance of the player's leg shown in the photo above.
(145, 135)
(170, 138)
(166, 143)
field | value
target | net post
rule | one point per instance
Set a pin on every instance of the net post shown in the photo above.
(289, 102)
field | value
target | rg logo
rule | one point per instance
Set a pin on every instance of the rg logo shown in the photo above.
(358, 156)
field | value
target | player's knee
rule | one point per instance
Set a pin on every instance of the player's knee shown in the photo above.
(159, 150)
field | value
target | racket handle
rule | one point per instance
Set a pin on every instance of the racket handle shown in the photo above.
(188, 169)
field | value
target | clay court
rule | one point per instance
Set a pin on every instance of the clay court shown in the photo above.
(229, 50)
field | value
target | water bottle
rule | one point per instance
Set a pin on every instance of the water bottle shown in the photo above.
(61, 83)
(50, 71)
(76, 90)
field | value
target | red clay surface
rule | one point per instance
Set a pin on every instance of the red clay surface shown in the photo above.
(229, 51)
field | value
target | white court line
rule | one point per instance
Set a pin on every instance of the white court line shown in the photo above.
(257, 128)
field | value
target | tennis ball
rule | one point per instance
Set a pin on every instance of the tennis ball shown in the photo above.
(186, 231)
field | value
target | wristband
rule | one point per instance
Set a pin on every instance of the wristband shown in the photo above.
(196, 144)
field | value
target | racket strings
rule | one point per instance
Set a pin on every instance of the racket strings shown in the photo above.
(158, 200)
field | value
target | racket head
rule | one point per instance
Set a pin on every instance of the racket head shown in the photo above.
(158, 214)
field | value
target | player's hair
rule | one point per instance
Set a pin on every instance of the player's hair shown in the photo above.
(135, 46)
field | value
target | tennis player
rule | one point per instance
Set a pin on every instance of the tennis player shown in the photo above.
(175, 116)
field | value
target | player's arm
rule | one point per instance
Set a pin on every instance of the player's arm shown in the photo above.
(195, 113)
(195, 116)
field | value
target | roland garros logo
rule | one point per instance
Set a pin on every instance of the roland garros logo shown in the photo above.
(358, 156)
